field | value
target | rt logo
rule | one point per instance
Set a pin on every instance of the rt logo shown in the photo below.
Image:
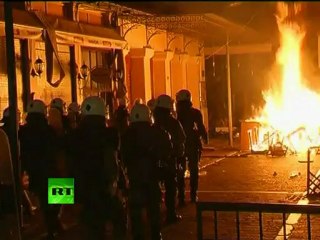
(60, 191)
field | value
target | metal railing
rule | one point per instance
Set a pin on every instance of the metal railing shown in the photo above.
(253, 207)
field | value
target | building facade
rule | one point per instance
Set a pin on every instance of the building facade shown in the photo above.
(124, 57)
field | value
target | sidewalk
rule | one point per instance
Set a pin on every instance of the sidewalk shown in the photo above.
(217, 150)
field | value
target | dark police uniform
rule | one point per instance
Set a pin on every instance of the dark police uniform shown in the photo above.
(165, 120)
(192, 123)
(93, 149)
(144, 149)
(38, 148)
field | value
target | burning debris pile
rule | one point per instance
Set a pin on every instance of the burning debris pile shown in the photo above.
(290, 119)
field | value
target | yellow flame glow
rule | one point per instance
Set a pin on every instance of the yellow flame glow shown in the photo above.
(293, 109)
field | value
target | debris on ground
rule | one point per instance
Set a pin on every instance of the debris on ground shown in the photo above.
(294, 174)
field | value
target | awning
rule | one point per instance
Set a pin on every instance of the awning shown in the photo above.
(239, 49)
(25, 25)
(89, 35)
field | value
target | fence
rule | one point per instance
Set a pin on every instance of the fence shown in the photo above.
(259, 208)
(313, 179)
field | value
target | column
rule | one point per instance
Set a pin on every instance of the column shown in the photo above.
(161, 73)
(193, 79)
(178, 72)
(141, 73)
(203, 91)
(127, 72)
(184, 57)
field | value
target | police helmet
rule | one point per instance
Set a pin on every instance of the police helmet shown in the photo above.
(164, 101)
(93, 105)
(36, 106)
(183, 95)
(57, 103)
(140, 113)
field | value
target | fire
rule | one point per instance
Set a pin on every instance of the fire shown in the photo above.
(292, 111)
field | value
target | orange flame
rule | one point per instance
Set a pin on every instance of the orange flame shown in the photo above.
(293, 110)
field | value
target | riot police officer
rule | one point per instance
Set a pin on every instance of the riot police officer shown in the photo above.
(38, 149)
(192, 122)
(93, 151)
(164, 119)
(145, 148)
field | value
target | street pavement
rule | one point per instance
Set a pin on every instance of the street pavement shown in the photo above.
(228, 176)
(255, 179)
